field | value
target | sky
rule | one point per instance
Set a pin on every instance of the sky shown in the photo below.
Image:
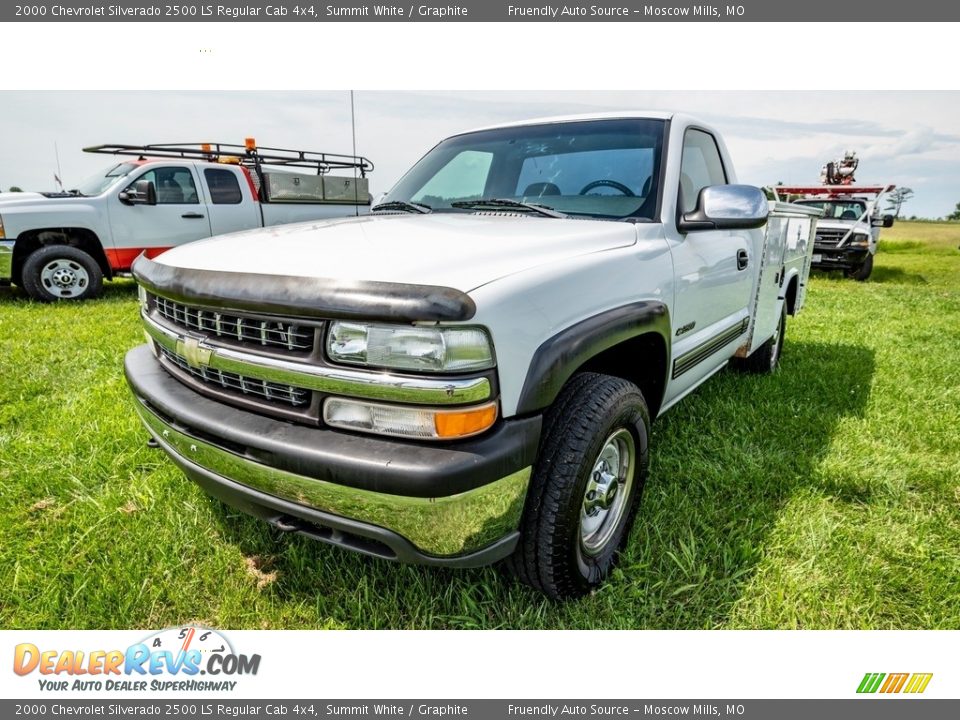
(908, 138)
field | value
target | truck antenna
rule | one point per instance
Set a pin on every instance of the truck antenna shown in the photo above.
(353, 134)
(59, 175)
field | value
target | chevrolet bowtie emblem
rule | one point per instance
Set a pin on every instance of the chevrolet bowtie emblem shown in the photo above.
(190, 350)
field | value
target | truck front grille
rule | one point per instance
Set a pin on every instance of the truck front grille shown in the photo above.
(259, 390)
(828, 238)
(274, 335)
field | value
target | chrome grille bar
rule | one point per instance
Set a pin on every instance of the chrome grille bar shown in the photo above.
(829, 237)
(269, 334)
(271, 392)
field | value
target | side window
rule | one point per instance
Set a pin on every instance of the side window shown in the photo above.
(175, 186)
(700, 167)
(224, 187)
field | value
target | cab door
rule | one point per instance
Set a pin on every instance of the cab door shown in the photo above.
(714, 272)
(179, 216)
(231, 205)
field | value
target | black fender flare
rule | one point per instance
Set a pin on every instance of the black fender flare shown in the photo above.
(559, 357)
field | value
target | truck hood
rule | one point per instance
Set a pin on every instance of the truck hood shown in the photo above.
(21, 199)
(461, 251)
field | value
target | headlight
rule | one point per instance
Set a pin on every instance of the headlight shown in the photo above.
(404, 347)
(859, 239)
(409, 422)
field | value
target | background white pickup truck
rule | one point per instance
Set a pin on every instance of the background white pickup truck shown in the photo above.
(60, 246)
(848, 234)
(469, 373)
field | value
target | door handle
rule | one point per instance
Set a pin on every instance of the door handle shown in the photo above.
(192, 216)
(742, 259)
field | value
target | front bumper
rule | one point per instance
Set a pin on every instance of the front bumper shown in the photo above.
(6, 261)
(456, 505)
(842, 258)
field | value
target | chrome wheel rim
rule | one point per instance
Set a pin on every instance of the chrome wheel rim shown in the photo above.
(64, 278)
(608, 489)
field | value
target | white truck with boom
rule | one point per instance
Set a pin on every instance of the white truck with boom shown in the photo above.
(849, 231)
(60, 246)
(468, 374)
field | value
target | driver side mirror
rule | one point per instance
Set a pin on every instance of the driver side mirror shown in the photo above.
(142, 192)
(726, 207)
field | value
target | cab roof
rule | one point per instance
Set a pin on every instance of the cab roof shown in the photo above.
(613, 115)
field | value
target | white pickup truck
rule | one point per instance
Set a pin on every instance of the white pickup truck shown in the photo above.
(60, 246)
(848, 234)
(469, 373)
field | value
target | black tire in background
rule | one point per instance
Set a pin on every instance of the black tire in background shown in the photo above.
(61, 272)
(864, 271)
(556, 553)
(765, 358)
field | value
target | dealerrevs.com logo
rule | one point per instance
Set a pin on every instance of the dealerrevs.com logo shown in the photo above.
(891, 683)
(178, 659)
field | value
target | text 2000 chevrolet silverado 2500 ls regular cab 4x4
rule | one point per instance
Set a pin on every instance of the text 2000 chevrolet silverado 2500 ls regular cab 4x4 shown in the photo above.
(60, 246)
(468, 374)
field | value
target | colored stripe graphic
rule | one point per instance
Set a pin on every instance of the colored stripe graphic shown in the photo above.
(870, 682)
(894, 683)
(918, 683)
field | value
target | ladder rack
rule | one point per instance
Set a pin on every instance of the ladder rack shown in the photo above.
(248, 154)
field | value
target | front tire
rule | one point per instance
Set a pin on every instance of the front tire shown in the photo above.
(586, 486)
(864, 271)
(61, 272)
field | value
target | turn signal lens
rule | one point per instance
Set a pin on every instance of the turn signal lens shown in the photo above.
(409, 422)
(466, 422)
(2, 234)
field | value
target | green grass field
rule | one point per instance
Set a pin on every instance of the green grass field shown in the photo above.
(824, 496)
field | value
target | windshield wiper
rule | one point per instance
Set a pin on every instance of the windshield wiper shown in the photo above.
(498, 203)
(403, 206)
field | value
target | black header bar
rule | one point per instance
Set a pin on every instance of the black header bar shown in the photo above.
(483, 11)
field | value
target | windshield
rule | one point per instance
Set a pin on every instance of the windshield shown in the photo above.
(96, 184)
(837, 209)
(597, 168)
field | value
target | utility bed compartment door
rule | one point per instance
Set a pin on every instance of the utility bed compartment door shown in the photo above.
(766, 310)
(801, 232)
(787, 251)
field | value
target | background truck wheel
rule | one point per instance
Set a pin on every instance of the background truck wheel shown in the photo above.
(766, 358)
(61, 272)
(863, 272)
(585, 487)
